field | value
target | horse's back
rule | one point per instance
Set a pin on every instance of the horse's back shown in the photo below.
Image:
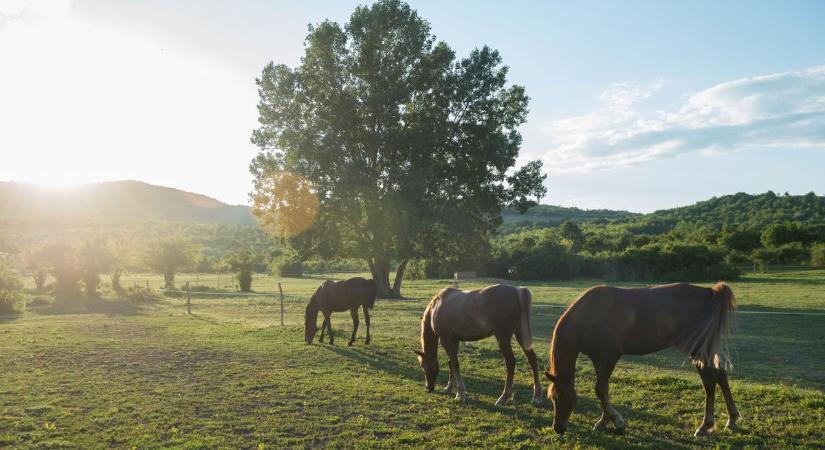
(476, 314)
(637, 320)
(343, 295)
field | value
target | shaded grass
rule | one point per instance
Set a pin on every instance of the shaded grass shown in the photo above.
(108, 375)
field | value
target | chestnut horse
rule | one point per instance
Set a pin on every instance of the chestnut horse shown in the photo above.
(607, 322)
(453, 316)
(338, 296)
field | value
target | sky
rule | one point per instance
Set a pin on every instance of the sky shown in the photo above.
(636, 105)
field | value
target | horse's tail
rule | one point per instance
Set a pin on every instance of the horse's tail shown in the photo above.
(525, 334)
(704, 344)
(372, 291)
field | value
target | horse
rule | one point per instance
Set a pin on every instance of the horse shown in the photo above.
(339, 296)
(453, 316)
(606, 322)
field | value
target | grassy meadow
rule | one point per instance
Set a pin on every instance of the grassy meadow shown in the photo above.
(112, 373)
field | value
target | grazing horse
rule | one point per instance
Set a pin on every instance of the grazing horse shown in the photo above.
(338, 296)
(453, 316)
(607, 322)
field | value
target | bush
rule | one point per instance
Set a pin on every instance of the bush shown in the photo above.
(818, 254)
(11, 297)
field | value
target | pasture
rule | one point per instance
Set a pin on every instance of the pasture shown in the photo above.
(118, 374)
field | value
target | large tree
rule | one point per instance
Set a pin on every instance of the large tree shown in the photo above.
(382, 145)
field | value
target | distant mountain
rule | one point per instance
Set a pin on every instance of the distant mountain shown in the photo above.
(116, 201)
(542, 216)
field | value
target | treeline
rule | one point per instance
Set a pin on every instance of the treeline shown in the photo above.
(710, 240)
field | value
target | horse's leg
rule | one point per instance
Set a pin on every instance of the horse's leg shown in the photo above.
(709, 383)
(601, 424)
(450, 383)
(604, 369)
(510, 361)
(354, 313)
(328, 320)
(450, 346)
(324, 327)
(733, 413)
(367, 321)
(534, 367)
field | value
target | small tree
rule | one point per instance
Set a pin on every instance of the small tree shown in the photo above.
(242, 263)
(62, 262)
(818, 254)
(122, 253)
(10, 290)
(572, 234)
(167, 257)
(95, 258)
(36, 265)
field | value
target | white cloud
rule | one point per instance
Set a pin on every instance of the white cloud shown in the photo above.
(783, 111)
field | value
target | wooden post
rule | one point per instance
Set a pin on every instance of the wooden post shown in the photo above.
(282, 303)
(147, 285)
(188, 300)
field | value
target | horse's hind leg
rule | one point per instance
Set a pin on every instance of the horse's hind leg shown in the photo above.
(354, 313)
(324, 324)
(510, 362)
(367, 321)
(534, 367)
(604, 369)
(709, 383)
(733, 413)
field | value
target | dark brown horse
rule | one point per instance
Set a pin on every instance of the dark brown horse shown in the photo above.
(607, 322)
(453, 316)
(338, 296)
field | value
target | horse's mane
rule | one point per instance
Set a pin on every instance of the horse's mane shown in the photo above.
(559, 325)
(427, 333)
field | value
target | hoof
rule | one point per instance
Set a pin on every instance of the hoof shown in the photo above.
(732, 426)
(349, 344)
(461, 398)
(504, 400)
(367, 342)
(620, 431)
(447, 390)
(537, 401)
(600, 426)
(703, 431)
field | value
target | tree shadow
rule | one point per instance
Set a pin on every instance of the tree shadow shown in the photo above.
(95, 305)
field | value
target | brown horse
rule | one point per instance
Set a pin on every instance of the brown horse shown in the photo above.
(607, 322)
(453, 316)
(338, 296)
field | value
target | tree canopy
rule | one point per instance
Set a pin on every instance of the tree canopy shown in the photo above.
(407, 149)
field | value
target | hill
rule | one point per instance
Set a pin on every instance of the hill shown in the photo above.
(117, 201)
(542, 216)
(739, 210)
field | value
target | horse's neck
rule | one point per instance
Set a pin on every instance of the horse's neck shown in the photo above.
(563, 354)
(429, 339)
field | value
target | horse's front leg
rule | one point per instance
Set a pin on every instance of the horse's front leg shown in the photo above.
(354, 313)
(450, 346)
(604, 369)
(709, 383)
(367, 321)
(510, 361)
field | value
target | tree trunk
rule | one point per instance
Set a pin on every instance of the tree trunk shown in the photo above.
(380, 270)
(169, 279)
(399, 276)
(381, 274)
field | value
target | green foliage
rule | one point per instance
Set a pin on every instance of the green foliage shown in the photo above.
(818, 254)
(406, 147)
(64, 265)
(11, 297)
(242, 264)
(168, 256)
(96, 257)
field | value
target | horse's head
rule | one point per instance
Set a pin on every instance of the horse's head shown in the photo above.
(311, 320)
(428, 363)
(563, 395)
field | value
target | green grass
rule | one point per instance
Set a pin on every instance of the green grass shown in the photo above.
(114, 374)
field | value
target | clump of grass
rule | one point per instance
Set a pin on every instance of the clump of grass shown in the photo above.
(141, 295)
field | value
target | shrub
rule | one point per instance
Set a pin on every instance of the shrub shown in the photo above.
(818, 254)
(11, 297)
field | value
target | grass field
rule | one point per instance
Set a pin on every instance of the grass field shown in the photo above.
(117, 374)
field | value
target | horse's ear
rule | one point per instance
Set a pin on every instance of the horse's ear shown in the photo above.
(419, 353)
(549, 376)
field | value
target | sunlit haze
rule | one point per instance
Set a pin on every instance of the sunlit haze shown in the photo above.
(633, 105)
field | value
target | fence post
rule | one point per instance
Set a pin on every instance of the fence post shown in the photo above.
(147, 285)
(188, 300)
(282, 303)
